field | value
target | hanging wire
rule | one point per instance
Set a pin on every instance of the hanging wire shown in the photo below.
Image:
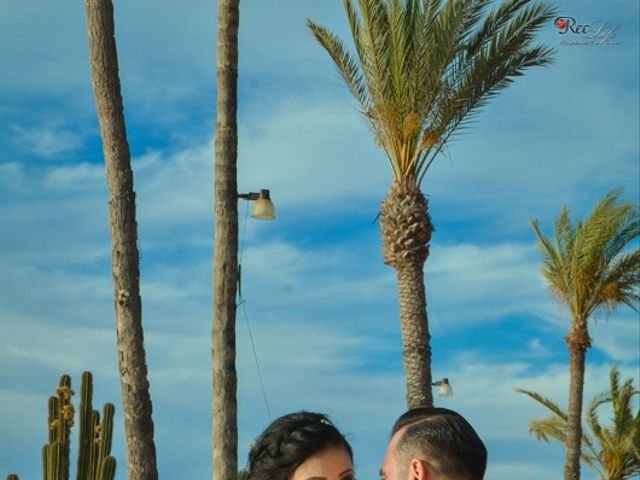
(255, 357)
(242, 303)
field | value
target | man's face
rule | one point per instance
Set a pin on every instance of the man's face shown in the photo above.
(390, 468)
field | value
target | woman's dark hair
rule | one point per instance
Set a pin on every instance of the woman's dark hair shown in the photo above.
(288, 442)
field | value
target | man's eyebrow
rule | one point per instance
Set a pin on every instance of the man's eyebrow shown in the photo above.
(382, 475)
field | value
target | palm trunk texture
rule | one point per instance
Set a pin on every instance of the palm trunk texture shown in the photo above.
(406, 230)
(416, 350)
(136, 400)
(578, 342)
(225, 429)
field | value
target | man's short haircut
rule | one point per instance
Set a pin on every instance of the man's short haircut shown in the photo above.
(443, 438)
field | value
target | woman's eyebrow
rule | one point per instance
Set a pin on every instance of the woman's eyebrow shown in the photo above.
(349, 470)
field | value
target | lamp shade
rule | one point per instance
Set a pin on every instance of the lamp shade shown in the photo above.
(264, 209)
(444, 387)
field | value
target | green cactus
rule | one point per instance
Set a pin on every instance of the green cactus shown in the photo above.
(94, 438)
(60, 420)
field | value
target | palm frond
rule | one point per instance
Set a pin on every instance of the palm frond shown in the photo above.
(614, 451)
(554, 268)
(494, 21)
(591, 414)
(629, 230)
(345, 63)
(375, 40)
(547, 402)
(549, 428)
(618, 271)
(602, 230)
(477, 74)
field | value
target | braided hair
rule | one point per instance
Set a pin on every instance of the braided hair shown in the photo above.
(288, 442)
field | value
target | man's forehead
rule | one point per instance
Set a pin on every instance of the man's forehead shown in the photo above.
(390, 460)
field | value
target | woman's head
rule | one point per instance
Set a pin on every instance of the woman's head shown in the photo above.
(304, 442)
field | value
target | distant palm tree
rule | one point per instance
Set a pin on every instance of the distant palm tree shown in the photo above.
(422, 70)
(616, 455)
(589, 267)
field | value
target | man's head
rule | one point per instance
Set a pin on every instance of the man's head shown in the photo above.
(430, 443)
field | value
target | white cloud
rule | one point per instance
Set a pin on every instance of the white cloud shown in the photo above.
(313, 152)
(468, 283)
(537, 348)
(12, 177)
(46, 141)
(619, 337)
(77, 178)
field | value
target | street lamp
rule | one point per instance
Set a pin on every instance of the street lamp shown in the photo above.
(444, 387)
(263, 209)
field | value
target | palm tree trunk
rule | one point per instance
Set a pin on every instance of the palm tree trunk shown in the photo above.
(406, 229)
(137, 408)
(416, 348)
(578, 342)
(225, 429)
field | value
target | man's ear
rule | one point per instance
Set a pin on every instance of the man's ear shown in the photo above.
(418, 470)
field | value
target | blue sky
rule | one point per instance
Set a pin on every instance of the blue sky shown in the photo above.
(321, 304)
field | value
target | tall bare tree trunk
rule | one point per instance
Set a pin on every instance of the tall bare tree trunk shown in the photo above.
(578, 342)
(406, 228)
(225, 429)
(416, 348)
(136, 400)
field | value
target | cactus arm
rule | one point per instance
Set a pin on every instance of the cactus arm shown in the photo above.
(85, 435)
(107, 469)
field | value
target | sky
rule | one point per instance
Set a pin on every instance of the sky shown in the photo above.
(320, 303)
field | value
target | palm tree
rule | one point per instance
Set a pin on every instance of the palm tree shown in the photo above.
(616, 456)
(422, 70)
(589, 268)
(225, 428)
(136, 400)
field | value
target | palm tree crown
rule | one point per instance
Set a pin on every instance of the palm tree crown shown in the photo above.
(588, 266)
(423, 68)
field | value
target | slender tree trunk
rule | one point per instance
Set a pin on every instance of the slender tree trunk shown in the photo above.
(416, 349)
(578, 342)
(225, 429)
(136, 400)
(406, 229)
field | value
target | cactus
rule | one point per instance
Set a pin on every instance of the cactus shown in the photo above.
(94, 438)
(55, 453)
